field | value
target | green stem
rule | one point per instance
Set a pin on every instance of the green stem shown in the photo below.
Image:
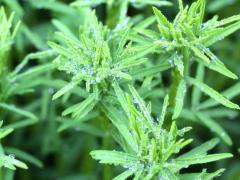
(106, 144)
(177, 77)
(2, 153)
(116, 12)
(186, 62)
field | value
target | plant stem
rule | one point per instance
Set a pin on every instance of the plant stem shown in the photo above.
(186, 61)
(177, 77)
(116, 12)
(106, 144)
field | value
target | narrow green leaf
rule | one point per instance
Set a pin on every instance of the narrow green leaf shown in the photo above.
(200, 54)
(145, 23)
(17, 110)
(64, 90)
(62, 27)
(149, 71)
(24, 156)
(179, 99)
(196, 93)
(10, 162)
(22, 123)
(124, 175)
(82, 127)
(113, 157)
(218, 66)
(180, 4)
(122, 43)
(160, 17)
(208, 40)
(81, 109)
(221, 112)
(202, 175)
(213, 94)
(121, 125)
(139, 52)
(5, 132)
(34, 71)
(202, 159)
(215, 127)
(81, 3)
(142, 106)
(31, 56)
(163, 114)
(231, 92)
(201, 150)
(121, 97)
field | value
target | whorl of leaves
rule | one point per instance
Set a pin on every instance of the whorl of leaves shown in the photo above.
(151, 151)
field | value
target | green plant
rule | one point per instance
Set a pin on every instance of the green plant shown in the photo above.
(187, 38)
(93, 60)
(149, 148)
(119, 82)
(9, 161)
(12, 84)
(97, 59)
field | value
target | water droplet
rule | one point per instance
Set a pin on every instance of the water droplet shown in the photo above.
(50, 90)
(11, 156)
(91, 71)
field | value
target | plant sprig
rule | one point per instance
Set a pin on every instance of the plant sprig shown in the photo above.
(152, 150)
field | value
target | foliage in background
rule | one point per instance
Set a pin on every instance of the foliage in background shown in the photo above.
(112, 70)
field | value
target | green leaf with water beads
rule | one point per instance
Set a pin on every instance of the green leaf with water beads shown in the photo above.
(83, 108)
(230, 93)
(139, 52)
(200, 159)
(200, 54)
(218, 66)
(212, 93)
(163, 113)
(113, 157)
(202, 149)
(179, 99)
(208, 40)
(154, 146)
(161, 18)
(121, 125)
(100, 57)
(203, 175)
(6, 36)
(64, 90)
(11, 163)
(24, 156)
(189, 30)
(142, 106)
(120, 96)
(149, 71)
